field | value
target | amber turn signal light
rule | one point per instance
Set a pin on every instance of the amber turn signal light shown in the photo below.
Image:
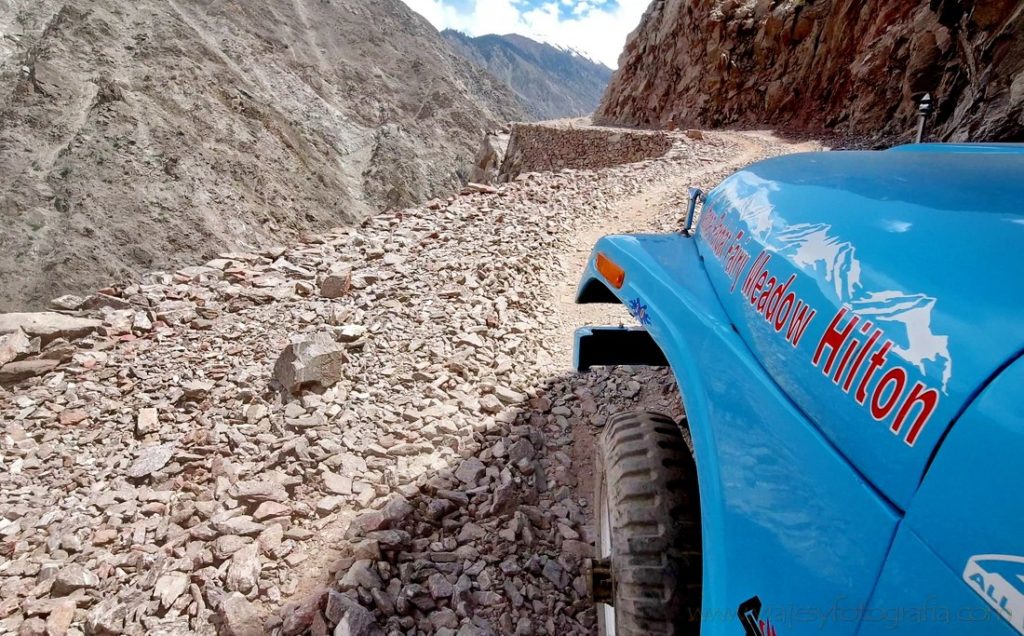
(612, 272)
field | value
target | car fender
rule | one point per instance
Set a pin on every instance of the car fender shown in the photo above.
(785, 518)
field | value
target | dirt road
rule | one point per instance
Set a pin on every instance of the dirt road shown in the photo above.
(160, 481)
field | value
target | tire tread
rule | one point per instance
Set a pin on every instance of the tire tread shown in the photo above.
(651, 482)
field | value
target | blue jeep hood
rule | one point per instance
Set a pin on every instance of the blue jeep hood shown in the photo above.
(881, 290)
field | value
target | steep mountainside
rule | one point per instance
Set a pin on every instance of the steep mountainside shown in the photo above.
(856, 66)
(552, 82)
(142, 134)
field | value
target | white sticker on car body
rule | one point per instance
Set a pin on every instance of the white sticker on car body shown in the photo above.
(999, 580)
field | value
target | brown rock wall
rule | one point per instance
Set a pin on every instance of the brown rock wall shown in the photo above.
(854, 66)
(548, 147)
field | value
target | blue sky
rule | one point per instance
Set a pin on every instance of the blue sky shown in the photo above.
(597, 28)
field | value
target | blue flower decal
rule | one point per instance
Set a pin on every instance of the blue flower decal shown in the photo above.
(639, 311)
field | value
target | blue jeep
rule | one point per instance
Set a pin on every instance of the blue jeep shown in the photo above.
(845, 329)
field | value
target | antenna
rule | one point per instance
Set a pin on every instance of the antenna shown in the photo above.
(924, 110)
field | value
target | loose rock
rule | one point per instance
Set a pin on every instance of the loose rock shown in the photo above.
(73, 577)
(48, 325)
(336, 285)
(239, 617)
(13, 346)
(169, 587)
(151, 459)
(317, 360)
(15, 372)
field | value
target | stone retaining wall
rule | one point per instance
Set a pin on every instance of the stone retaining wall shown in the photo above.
(544, 147)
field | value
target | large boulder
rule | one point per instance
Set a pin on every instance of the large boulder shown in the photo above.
(336, 284)
(73, 577)
(15, 372)
(238, 617)
(313, 360)
(14, 345)
(48, 325)
(488, 159)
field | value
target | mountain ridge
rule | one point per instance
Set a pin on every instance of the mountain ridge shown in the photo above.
(145, 135)
(553, 81)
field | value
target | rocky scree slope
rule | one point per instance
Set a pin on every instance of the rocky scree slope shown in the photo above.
(144, 134)
(552, 82)
(853, 66)
(423, 475)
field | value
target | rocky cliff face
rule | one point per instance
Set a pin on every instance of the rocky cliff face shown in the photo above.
(855, 66)
(552, 82)
(142, 134)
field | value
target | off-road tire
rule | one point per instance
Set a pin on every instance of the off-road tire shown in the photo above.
(647, 469)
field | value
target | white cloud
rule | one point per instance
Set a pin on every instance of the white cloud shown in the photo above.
(600, 33)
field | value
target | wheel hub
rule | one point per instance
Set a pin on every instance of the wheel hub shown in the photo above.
(599, 581)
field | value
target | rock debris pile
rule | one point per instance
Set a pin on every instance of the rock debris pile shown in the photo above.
(363, 433)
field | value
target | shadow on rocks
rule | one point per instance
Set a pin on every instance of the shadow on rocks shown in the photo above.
(496, 542)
